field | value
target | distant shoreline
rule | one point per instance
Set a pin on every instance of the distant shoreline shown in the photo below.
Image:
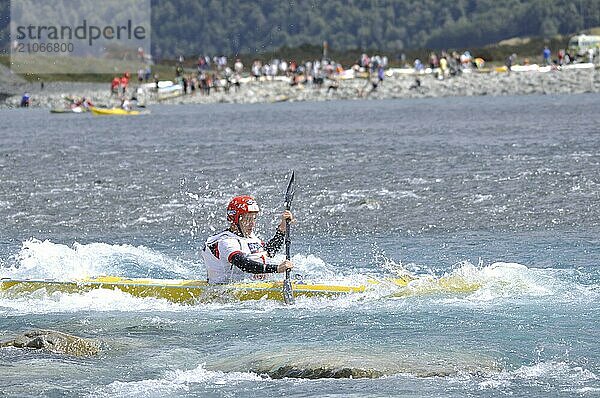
(399, 85)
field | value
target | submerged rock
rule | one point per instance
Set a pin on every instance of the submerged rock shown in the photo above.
(349, 372)
(322, 372)
(354, 363)
(56, 342)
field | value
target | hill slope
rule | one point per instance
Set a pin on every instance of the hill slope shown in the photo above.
(233, 27)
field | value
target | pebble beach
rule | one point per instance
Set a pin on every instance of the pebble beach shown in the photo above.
(395, 85)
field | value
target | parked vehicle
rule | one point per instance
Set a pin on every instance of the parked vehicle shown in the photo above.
(580, 45)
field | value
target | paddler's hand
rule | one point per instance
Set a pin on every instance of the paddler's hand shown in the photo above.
(287, 215)
(285, 265)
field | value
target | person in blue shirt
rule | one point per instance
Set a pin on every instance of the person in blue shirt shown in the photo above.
(25, 100)
(546, 54)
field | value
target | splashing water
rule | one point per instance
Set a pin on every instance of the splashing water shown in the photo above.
(47, 260)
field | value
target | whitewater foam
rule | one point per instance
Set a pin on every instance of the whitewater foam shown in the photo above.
(173, 381)
(486, 283)
(103, 300)
(47, 260)
(542, 372)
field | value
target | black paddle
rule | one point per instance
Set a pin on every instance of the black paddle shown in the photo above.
(288, 293)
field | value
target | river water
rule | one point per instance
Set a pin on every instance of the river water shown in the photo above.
(499, 195)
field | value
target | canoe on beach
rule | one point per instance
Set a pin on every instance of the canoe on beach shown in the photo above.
(191, 291)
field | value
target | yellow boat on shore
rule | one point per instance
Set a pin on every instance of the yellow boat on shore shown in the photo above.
(116, 111)
(191, 291)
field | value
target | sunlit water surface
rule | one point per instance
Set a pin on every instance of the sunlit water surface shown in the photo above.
(498, 197)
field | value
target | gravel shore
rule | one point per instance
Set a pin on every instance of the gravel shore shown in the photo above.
(399, 85)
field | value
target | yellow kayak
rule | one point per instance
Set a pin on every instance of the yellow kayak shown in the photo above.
(115, 111)
(191, 291)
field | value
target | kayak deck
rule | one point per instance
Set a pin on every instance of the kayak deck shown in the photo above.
(190, 291)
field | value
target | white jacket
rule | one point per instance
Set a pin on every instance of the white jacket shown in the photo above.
(220, 248)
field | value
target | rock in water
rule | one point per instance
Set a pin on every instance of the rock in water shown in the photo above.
(322, 372)
(54, 341)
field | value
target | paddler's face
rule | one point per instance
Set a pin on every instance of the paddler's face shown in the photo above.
(247, 223)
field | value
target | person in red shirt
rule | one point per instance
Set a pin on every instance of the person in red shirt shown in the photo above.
(114, 85)
(124, 81)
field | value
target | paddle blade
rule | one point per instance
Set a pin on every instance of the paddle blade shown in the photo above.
(289, 192)
(288, 293)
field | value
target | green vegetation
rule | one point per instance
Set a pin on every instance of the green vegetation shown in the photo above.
(242, 27)
(233, 27)
(266, 29)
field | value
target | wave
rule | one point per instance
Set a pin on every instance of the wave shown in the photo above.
(500, 280)
(47, 260)
(465, 282)
(174, 381)
(552, 373)
(101, 300)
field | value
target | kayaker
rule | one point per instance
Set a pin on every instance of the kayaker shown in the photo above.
(237, 253)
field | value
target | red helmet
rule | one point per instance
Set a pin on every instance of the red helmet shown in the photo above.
(241, 205)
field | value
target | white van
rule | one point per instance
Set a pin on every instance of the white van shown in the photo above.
(580, 44)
